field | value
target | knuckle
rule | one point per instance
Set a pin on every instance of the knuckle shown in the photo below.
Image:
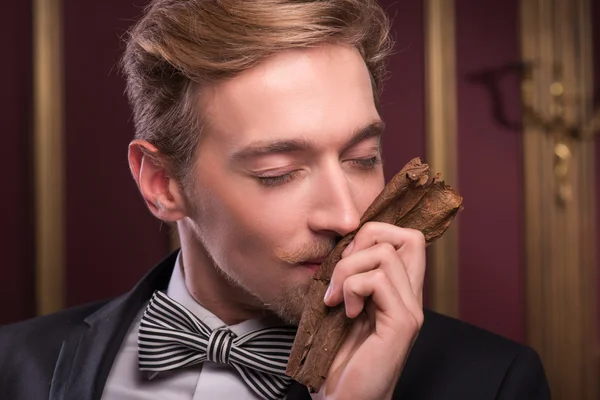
(387, 249)
(368, 230)
(379, 276)
(349, 284)
(417, 237)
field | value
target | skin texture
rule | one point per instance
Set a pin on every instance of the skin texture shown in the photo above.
(252, 220)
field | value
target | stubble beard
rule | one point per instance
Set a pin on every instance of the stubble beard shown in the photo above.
(287, 304)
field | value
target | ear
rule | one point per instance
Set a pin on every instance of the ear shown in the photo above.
(161, 192)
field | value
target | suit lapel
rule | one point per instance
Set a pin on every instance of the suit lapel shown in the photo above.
(62, 369)
(86, 357)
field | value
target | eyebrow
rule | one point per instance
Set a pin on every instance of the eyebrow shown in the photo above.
(263, 148)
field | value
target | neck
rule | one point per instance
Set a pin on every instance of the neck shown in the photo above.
(210, 287)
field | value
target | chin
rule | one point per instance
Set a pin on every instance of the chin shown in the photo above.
(288, 317)
(289, 304)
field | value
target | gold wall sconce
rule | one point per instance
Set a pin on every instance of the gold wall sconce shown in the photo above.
(557, 124)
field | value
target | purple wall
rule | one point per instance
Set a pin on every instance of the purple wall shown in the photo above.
(490, 169)
(596, 39)
(112, 239)
(490, 267)
(403, 98)
(16, 117)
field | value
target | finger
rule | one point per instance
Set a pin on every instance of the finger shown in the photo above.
(390, 308)
(409, 243)
(373, 283)
(354, 300)
(380, 258)
(413, 301)
(381, 255)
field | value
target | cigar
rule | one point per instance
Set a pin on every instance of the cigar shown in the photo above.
(411, 199)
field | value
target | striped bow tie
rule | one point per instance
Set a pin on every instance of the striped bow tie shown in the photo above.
(172, 337)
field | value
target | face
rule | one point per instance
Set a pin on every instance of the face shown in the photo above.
(288, 162)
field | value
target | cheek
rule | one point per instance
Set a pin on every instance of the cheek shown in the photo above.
(268, 221)
(365, 191)
(248, 222)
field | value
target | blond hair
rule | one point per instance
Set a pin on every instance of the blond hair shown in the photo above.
(178, 45)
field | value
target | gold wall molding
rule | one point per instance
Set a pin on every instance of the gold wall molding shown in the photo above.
(48, 156)
(560, 231)
(441, 127)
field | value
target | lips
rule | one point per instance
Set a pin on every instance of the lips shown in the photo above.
(312, 265)
(317, 261)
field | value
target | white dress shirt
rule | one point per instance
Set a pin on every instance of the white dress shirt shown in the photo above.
(204, 381)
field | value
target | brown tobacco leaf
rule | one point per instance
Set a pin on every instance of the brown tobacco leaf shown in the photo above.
(412, 199)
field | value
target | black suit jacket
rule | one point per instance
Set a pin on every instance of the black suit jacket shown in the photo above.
(68, 355)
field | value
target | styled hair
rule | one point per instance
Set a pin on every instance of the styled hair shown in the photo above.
(179, 45)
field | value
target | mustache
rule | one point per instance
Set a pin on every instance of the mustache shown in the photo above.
(306, 252)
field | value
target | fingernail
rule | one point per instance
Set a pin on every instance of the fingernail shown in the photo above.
(328, 292)
(348, 249)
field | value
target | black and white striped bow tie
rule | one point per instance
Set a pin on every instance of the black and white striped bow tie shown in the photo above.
(172, 337)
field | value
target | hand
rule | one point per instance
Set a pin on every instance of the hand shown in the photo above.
(381, 273)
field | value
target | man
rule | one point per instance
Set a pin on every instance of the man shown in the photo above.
(258, 136)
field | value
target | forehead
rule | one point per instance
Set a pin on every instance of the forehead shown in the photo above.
(316, 93)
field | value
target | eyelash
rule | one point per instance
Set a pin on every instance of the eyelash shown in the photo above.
(367, 163)
(271, 181)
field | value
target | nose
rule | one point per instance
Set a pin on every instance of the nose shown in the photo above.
(333, 206)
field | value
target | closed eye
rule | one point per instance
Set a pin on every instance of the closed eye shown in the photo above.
(366, 163)
(282, 179)
(276, 180)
